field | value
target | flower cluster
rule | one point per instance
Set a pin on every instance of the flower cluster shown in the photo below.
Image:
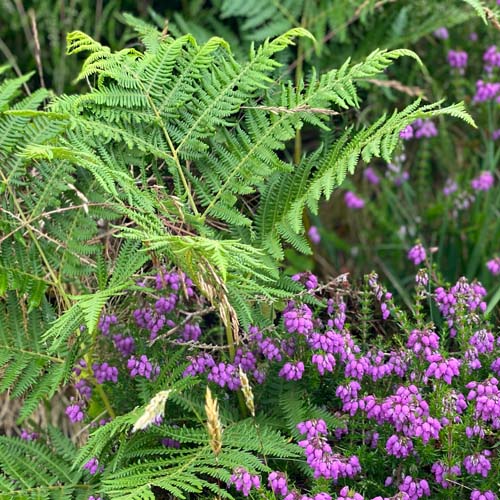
(417, 254)
(244, 481)
(405, 398)
(483, 182)
(142, 366)
(493, 266)
(319, 454)
(353, 201)
(458, 59)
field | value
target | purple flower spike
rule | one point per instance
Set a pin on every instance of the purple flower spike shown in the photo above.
(352, 201)
(74, 413)
(417, 254)
(314, 235)
(278, 484)
(406, 133)
(92, 466)
(484, 182)
(292, 371)
(244, 481)
(142, 367)
(478, 463)
(493, 266)
(486, 495)
(458, 59)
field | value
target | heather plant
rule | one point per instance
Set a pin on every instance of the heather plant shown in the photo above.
(144, 229)
(456, 221)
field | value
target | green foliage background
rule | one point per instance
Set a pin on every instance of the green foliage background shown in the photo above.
(209, 142)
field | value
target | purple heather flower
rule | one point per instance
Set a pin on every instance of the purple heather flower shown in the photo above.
(406, 133)
(313, 428)
(486, 91)
(277, 483)
(308, 279)
(269, 349)
(483, 340)
(463, 293)
(454, 403)
(28, 435)
(124, 345)
(493, 266)
(491, 58)
(441, 33)
(424, 128)
(191, 332)
(292, 371)
(225, 374)
(458, 59)
(495, 135)
(105, 323)
(415, 488)
(75, 412)
(425, 428)
(198, 364)
(484, 182)
(153, 320)
(417, 254)
(475, 430)
(423, 342)
(450, 187)
(92, 497)
(105, 373)
(80, 366)
(92, 465)
(244, 481)
(170, 443)
(142, 367)
(324, 362)
(495, 366)
(478, 463)
(371, 176)
(399, 446)
(357, 367)
(347, 494)
(487, 400)
(441, 368)
(353, 201)
(246, 359)
(83, 388)
(442, 472)
(485, 495)
(314, 235)
(298, 318)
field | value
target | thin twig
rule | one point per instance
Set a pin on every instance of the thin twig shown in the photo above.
(298, 109)
(23, 16)
(12, 61)
(492, 17)
(396, 85)
(189, 316)
(332, 33)
(43, 215)
(38, 57)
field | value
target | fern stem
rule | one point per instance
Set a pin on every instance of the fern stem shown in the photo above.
(105, 400)
(55, 280)
(297, 152)
(174, 155)
(261, 442)
(230, 340)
